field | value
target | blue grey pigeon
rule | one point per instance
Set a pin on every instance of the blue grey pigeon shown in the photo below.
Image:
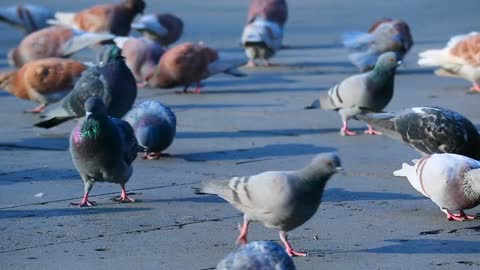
(155, 125)
(110, 79)
(103, 149)
(361, 93)
(27, 17)
(264, 255)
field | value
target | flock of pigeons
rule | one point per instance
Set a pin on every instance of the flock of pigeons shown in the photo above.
(103, 146)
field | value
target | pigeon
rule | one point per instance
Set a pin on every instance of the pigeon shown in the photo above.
(54, 41)
(155, 125)
(261, 39)
(26, 17)
(281, 200)
(164, 28)
(109, 18)
(257, 255)
(460, 58)
(361, 93)
(102, 149)
(451, 181)
(383, 36)
(271, 10)
(141, 55)
(190, 63)
(110, 79)
(44, 81)
(429, 130)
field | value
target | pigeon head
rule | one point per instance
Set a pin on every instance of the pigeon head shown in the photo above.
(136, 5)
(95, 108)
(108, 54)
(387, 61)
(326, 163)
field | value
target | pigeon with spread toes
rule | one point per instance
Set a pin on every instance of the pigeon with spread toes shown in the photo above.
(190, 63)
(164, 28)
(26, 17)
(451, 181)
(102, 149)
(271, 10)
(429, 130)
(383, 36)
(107, 18)
(44, 81)
(361, 93)
(155, 126)
(54, 41)
(460, 58)
(110, 79)
(281, 200)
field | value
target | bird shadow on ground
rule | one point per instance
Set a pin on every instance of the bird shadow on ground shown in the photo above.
(340, 194)
(36, 175)
(414, 71)
(252, 78)
(252, 133)
(263, 90)
(194, 199)
(271, 150)
(62, 212)
(426, 246)
(222, 106)
(38, 143)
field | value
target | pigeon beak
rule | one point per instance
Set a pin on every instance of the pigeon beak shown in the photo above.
(87, 115)
(339, 170)
(399, 63)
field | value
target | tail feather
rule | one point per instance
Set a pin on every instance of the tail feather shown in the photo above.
(84, 40)
(403, 171)
(225, 66)
(64, 18)
(356, 40)
(315, 105)
(384, 122)
(432, 58)
(52, 122)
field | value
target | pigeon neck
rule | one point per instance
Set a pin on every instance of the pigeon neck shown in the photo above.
(92, 128)
(380, 73)
(314, 177)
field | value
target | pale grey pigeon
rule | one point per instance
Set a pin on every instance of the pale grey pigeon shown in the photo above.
(102, 149)
(155, 126)
(451, 181)
(27, 17)
(164, 28)
(257, 255)
(281, 200)
(361, 93)
(429, 130)
(261, 40)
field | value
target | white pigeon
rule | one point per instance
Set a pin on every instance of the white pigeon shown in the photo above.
(451, 181)
(460, 58)
(261, 39)
(281, 200)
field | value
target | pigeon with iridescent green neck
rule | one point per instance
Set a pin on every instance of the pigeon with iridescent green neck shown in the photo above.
(102, 149)
(361, 93)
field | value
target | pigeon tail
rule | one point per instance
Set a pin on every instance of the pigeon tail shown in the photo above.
(54, 121)
(84, 40)
(315, 105)
(63, 18)
(432, 58)
(404, 171)
(225, 66)
(356, 40)
(384, 122)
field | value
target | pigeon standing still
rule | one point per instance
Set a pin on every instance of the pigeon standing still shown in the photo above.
(27, 17)
(110, 79)
(281, 200)
(163, 28)
(362, 93)
(383, 36)
(154, 125)
(44, 81)
(430, 130)
(451, 181)
(460, 58)
(102, 149)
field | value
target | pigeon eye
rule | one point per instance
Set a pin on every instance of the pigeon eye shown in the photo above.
(329, 163)
(392, 60)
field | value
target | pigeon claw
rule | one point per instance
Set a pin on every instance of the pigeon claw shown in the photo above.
(347, 132)
(125, 199)
(152, 155)
(475, 88)
(84, 203)
(293, 253)
(460, 217)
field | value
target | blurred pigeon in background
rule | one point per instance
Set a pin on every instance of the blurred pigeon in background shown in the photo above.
(26, 17)
(164, 28)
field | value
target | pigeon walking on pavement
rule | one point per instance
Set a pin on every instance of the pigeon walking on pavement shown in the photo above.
(281, 200)
(110, 79)
(27, 17)
(451, 181)
(361, 93)
(102, 149)
(164, 28)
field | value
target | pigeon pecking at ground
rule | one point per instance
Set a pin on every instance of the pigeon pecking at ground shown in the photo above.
(155, 126)
(281, 200)
(451, 181)
(164, 28)
(361, 93)
(102, 149)
(429, 130)
(26, 17)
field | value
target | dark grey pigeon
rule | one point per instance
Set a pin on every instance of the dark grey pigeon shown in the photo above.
(154, 125)
(103, 149)
(362, 93)
(257, 255)
(430, 130)
(110, 79)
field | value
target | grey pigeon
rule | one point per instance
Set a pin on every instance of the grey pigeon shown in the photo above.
(27, 17)
(164, 28)
(110, 79)
(261, 40)
(281, 200)
(451, 181)
(361, 93)
(430, 130)
(155, 125)
(257, 255)
(102, 149)
(383, 36)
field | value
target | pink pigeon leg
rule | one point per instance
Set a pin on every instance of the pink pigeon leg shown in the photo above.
(344, 131)
(467, 217)
(251, 63)
(288, 248)
(141, 84)
(198, 89)
(372, 131)
(84, 202)
(475, 87)
(124, 197)
(38, 109)
(460, 217)
(242, 238)
(152, 155)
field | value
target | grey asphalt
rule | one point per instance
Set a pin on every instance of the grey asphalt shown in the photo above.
(240, 126)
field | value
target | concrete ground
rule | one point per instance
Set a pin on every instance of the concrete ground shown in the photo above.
(242, 126)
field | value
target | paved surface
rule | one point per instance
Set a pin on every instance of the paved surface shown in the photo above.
(240, 126)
